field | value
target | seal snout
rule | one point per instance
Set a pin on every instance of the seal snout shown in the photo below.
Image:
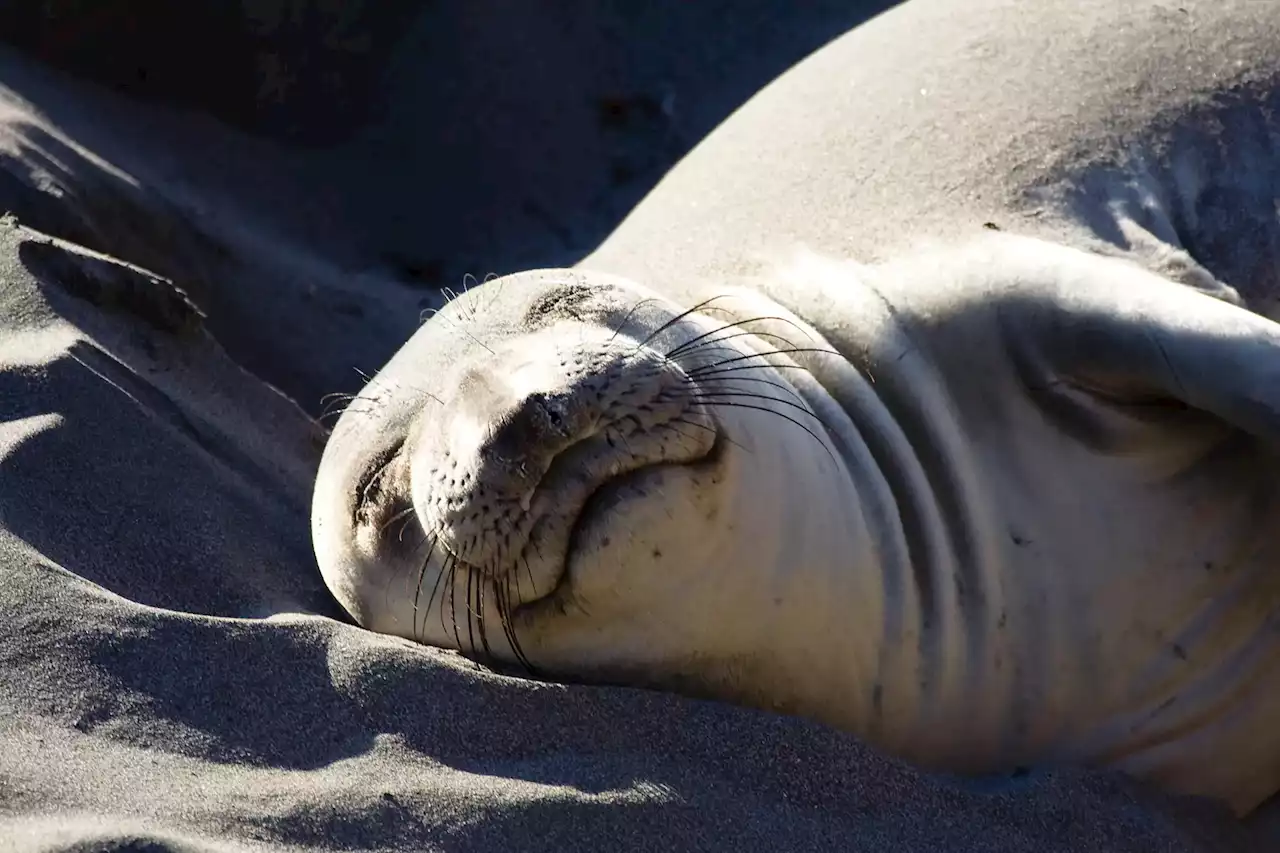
(501, 473)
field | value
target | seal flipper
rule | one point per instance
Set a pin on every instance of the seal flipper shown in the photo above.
(1120, 332)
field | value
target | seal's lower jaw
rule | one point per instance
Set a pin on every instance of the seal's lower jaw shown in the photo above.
(611, 518)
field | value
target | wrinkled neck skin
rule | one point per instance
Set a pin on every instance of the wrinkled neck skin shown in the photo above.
(878, 615)
(895, 540)
(1104, 596)
(789, 524)
(779, 556)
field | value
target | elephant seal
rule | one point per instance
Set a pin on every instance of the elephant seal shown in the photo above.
(985, 499)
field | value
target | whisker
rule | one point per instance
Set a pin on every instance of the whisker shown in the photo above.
(668, 424)
(386, 591)
(779, 385)
(719, 344)
(408, 517)
(703, 395)
(634, 308)
(393, 519)
(453, 602)
(473, 338)
(504, 613)
(471, 637)
(481, 583)
(711, 430)
(500, 605)
(336, 403)
(676, 319)
(339, 396)
(515, 573)
(435, 588)
(529, 571)
(736, 324)
(698, 371)
(334, 415)
(709, 347)
(766, 365)
(422, 576)
(783, 415)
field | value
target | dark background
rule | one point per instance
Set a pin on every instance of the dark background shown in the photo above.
(476, 135)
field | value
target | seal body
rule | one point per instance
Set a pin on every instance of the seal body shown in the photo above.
(984, 499)
(1140, 129)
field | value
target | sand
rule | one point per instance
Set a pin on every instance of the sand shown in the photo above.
(176, 298)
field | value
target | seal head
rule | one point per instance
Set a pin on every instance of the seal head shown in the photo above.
(563, 470)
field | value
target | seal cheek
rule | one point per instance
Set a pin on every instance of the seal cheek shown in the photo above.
(642, 543)
(363, 530)
(645, 565)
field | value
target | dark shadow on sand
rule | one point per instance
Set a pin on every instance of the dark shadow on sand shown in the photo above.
(457, 137)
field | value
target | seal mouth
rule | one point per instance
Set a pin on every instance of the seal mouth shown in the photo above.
(380, 499)
(593, 512)
(597, 513)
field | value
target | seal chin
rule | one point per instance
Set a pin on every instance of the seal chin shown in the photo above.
(606, 522)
